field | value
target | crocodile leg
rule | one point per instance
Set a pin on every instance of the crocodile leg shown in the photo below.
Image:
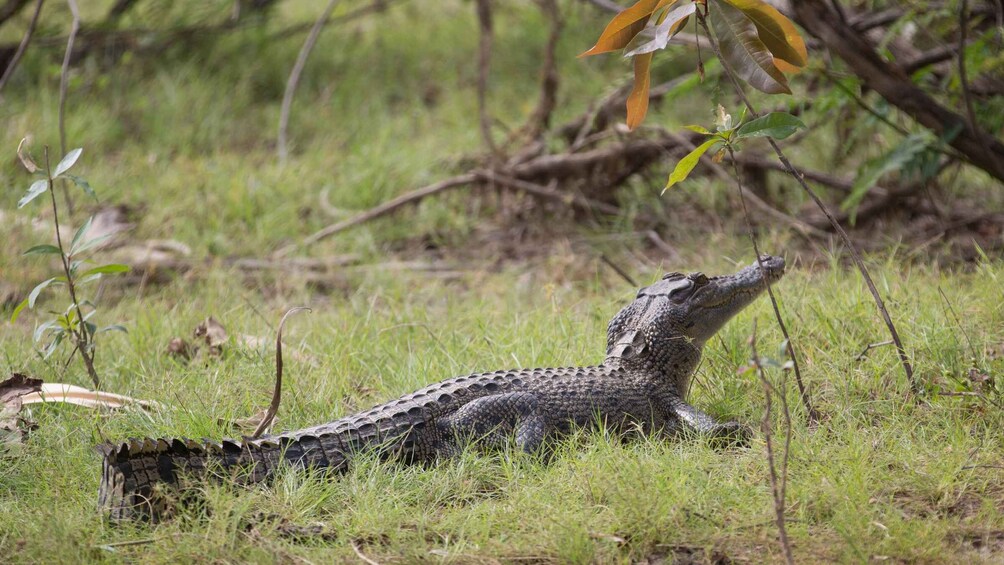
(697, 421)
(492, 419)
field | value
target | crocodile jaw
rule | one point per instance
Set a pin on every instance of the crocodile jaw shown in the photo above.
(723, 297)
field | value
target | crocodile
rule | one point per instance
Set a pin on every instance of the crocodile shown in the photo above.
(654, 345)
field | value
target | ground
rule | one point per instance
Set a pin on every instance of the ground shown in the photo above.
(185, 146)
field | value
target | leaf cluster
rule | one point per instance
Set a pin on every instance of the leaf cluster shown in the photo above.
(759, 42)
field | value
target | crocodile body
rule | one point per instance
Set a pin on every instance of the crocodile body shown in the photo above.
(653, 347)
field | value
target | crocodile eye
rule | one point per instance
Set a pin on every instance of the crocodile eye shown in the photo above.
(700, 279)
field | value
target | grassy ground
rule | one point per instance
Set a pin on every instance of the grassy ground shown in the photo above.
(186, 143)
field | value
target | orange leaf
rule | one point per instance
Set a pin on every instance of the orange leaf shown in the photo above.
(625, 25)
(637, 102)
(775, 31)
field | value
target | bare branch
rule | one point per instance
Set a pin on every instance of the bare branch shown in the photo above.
(294, 80)
(484, 12)
(63, 85)
(778, 485)
(22, 46)
(811, 415)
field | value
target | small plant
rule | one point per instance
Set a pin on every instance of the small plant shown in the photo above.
(73, 323)
(775, 125)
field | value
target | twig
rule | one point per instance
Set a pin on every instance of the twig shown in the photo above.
(907, 368)
(535, 189)
(277, 392)
(778, 487)
(63, 85)
(294, 80)
(871, 346)
(972, 350)
(22, 46)
(541, 117)
(963, 81)
(484, 12)
(361, 555)
(811, 415)
(606, 260)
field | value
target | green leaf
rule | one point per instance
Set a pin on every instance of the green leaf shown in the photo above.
(83, 184)
(37, 187)
(742, 48)
(699, 129)
(874, 169)
(106, 270)
(777, 125)
(55, 343)
(93, 242)
(67, 162)
(687, 164)
(44, 327)
(81, 231)
(17, 310)
(89, 278)
(43, 250)
(113, 328)
(33, 296)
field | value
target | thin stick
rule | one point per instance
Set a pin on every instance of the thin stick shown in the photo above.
(541, 118)
(361, 555)
(963, 81)
(811, 414)
(273, 408)
(871, 346)
(778, 487)
(63, 85)
(484, 11)
(294, 80)
(972, 350)
(904, 360)
(22, 46)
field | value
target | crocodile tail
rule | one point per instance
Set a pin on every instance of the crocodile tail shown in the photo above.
(136, 473)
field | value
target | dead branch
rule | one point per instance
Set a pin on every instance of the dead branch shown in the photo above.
(63, 86)
(982, 149)
(484, 12)
(10, 9)
(273, 408)
(869, 347)
(777, 486)
(294, 80)
(12, 64)
(540, 120)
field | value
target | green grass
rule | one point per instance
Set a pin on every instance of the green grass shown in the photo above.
(187, 144)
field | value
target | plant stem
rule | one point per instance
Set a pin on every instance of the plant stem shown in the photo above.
(811, 414)
(80, 335)
(904, 360)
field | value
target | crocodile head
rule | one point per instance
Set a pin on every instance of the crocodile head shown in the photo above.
(667, 324)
